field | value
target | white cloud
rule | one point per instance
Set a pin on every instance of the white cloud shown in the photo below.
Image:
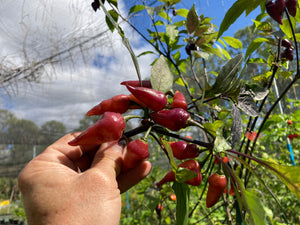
(66, 91)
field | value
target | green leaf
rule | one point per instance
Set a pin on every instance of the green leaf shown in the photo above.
(115, 17)
(170, 155)
(136, 8)
(254, 45)
(182, 175)
(192, 20)
(210, 49)
(233, 42)
(232, 14)
(114, 2)
(182, 192)
(228, 74)
(161, 75)
(213, 127)
(172, 32)
(255, 208)
(263, 26)
(289, 175)
(182, 12)
(221, 144)
(247, 103)
(285, 27)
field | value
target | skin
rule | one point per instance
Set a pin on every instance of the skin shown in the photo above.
(77, 185)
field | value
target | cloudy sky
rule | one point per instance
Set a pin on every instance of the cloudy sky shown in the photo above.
(33, 30)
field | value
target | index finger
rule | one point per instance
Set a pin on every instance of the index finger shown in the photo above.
(73, 153)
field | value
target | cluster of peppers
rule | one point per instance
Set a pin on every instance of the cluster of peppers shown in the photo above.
(277, 8)
(173, 116)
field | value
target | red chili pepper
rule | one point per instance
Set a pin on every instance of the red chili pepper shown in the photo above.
(154, 100)
(136, 83)
(173, 119)
(179, 101)
(136, 152)
(272, 10)
(289, 122)
(216, 186)
(182, 150)
(280, 4)
(291, 6)
(173, 197)
(109, 128)
(118, 103)
(224, 159)
(135, 103)
(190, 165)
(231, 191)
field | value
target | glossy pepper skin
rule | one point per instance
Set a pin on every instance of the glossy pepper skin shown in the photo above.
(190, 165)
(179, 101)
(173, 119)
(287, 54)
(109, 128)
(291, 6)
(136, 152)
(216, 185)
(136, 83)
(286, 43)
(154, 100)
(182, 150)
(273, 12)
(119, 104)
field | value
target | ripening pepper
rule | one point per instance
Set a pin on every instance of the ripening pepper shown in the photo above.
(179, 101)
(287, 54)
(190, 165)
(173, 119)
(280, 4)
(286, 43)
(109, 128)
(225, 159)
(153, 99)
(137, 83)
(118, 104)
(291, 6)
(182, 150)
(216, 185)
(136, 152)
(272, 10)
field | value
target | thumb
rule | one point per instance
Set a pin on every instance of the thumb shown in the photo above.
(108, 159)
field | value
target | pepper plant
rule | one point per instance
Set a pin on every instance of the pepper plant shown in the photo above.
(227, 111)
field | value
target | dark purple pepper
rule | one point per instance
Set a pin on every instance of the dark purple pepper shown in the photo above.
(272, 10)
(173, 119)
(291, 6)
(287, 54)
(154, 100)
(286, 43)
(190, 47)
(280, 4)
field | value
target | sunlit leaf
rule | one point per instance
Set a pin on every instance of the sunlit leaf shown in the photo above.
(289, 175)
(170, 155)
(254, 45)
(136, 8)
(233, 42)
(182, 192)
(192, 20)
(161, 75)
(182, 12)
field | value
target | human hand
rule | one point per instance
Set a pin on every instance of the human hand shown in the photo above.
(55, 192)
